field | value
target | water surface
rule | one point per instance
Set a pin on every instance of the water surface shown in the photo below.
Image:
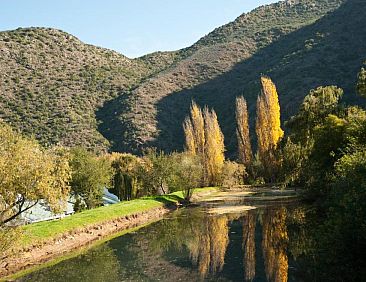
(232, 237)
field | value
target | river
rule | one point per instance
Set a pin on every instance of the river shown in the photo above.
(233, 236)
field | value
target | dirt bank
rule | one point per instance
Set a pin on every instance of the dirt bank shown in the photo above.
(76, 239)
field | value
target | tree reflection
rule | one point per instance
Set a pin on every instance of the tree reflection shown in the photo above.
(274, 244)
(208, 247)
(249, 221)
(98, 264)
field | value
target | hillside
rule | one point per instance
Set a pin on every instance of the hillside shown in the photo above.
(213, 73)
(62, 90)
(51, 84)
(286, 41)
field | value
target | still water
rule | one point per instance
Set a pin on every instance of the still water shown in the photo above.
(231, 237)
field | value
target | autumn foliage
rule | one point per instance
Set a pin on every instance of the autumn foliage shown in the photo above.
(242, 131)
(205, 140)
(268, 124)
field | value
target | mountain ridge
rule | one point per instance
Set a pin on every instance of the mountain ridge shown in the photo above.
(73, 93)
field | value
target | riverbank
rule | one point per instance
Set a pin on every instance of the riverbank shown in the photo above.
(46, 241)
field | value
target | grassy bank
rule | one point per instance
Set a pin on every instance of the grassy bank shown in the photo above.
(44, 231)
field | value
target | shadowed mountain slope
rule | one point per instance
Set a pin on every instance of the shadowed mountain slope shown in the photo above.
(62, 90)
(222, 65)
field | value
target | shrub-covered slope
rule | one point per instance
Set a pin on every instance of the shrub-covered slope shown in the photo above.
(51, 84)
(281, 40)
(61, 90)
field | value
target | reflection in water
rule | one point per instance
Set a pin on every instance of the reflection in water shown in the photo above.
(274, 244)
(100, 264)
(209, 245)
(190, 245)
(249, 222)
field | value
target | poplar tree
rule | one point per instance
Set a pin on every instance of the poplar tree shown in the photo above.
(214, 147)
(242, 131)
(189, 135)
(205, 140)
(270, 95)
(194, 129)
(268, 125)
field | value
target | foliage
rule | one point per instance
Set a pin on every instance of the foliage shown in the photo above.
(294, 157)
(186, 173)
(205, 140)
(268, 127)
(157, 172)
(317, 105)
(29, 173)
(194, 128)
(233, 174)
(126, 180)
(10, 237)
(329, 158)
(214, 149)
(90, 175)
(242, 132)
(100, 99)
(361, 84)
(309, 148)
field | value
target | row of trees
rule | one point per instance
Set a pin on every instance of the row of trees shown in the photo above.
(205, 140)
(30, 174)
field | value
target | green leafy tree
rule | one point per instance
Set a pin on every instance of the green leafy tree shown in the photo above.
(317, 105)
(156, 172)
(300, 165)
(186, 173)
(126, 181)
(90, 175)
(29, 173)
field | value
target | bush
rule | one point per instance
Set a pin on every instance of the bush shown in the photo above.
(9, 238)
(233, 174)
(90, 175)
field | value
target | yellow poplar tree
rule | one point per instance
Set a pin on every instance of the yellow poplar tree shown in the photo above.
(214, 148)
(270, 95)
(242, 131)
(189, 134)
(205, 140)
(194, 129)
(268, 124)
(262, 127)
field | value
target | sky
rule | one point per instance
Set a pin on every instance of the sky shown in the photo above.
(131, 27)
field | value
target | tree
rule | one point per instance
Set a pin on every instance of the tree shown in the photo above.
(233, 174)
(205, 140)
(29, 173)
(214, 148)
(90, 175)
(317, 105)
(361, 84)
(242, 132)
(194, 129)
(126, 182)
(157, 172)
(186, 173)
(268, 126)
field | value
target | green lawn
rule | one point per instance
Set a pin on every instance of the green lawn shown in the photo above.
(37, 233)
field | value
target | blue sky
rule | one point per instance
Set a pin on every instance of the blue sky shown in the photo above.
(131, 27)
